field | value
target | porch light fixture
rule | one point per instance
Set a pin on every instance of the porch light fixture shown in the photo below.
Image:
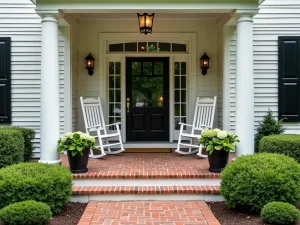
(89, 64)
(204, 62)
(145, 23)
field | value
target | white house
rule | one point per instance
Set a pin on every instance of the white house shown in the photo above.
(254, 66)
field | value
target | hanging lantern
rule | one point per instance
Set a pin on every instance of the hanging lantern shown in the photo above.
(204, 63)
(145, 22)
(89, 64)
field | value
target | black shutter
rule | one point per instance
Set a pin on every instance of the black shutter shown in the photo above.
(5, 98)
(289, 79)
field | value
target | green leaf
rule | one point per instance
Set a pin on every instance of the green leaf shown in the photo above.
(231, 146)
(76, 137)
(216, 140)
(209, 147)
(79, 148)
(72, 147)
(218, 147)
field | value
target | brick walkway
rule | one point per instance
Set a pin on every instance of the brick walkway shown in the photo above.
(145, 165)
(148, 213)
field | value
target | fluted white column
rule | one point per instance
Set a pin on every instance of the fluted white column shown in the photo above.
(244, 105)
(49, 90)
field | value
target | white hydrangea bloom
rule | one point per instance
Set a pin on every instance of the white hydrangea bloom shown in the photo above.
(230, 134)
(217, 130)
(69, 134)
(222, 134)
(64, 138)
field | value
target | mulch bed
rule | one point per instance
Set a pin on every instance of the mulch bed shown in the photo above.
(70, 215)
(228, 216)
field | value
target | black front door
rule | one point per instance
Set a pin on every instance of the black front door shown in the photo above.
(147, 99)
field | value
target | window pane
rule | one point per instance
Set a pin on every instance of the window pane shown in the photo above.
(183, 82)
(118, 96)
(111, 96)
(164, 47)
(183, 96)
(131, 47)
(111, 109)
(177, 82)
(158, 68)
(177, 96)
(183, 110)
(178, 47)
(117, 109)
(152, 46)
(118, 82)
(111, 121)
(136, 68)
(118, 68)
(177, 110)
(142, 46)
(147, 68)
(176, 68)
(183, 68)
(116, 47)
(177, 121)
(111, 68)
(111, 82)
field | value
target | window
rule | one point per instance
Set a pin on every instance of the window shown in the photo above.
(147, 47)
(179, 93)
(114, 93)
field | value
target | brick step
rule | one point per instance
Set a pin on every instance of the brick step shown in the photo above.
(140, 190)
(146, 175)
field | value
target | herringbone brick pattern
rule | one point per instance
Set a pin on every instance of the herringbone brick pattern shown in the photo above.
(148, 213)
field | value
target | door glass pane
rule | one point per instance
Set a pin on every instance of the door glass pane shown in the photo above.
(183, 68)
(118, 68)
(142, 46)
(178, 47)
(176, 68)
(136, 68)
(147, 68)
(147, 91)
(116, 47)
(158, 68)
(152, 46)
(164, 47)
(131, 47)
(177, 82)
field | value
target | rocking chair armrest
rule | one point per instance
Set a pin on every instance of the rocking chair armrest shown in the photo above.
(185, 124)
(113, 124)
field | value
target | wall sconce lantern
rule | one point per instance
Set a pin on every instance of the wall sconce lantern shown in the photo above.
(145, 23)
(89, 64)
(204, 62)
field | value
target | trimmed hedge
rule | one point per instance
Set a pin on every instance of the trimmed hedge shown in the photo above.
(28, 135)
(280, 213)
(26, 213)
(11, 147)
(252, 181)
(51, 184)
(287, 144)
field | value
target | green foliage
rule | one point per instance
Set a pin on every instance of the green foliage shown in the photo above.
(287, 144)
(26, 213)
(75, 143)
(51, 184)
(28, 135)
(280, 213)
(269, 126)
(11, 147)
(252, 181)
(218, 140)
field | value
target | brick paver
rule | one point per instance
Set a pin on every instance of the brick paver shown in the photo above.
(148, 213)
(146, 166)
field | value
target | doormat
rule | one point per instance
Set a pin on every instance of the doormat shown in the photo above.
(148, 150)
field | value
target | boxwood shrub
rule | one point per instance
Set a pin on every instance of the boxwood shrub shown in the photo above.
(252, 181)
(28, 135)
(287, 144)
(11, 147)
(280, 213)
(26, 213)
(51, 184)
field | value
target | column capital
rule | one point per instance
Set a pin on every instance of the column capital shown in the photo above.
(50, 16)
(245, 14)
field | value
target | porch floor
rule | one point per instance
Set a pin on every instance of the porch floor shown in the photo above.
(145, 165)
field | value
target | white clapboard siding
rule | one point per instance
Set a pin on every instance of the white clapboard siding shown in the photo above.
(19, 21)
(275, 18)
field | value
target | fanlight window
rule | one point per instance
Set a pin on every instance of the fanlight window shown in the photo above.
(147, 47)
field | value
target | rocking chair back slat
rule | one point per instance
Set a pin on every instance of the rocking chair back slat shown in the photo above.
(204, 113)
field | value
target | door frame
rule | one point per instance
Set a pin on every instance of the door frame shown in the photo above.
(105, 56)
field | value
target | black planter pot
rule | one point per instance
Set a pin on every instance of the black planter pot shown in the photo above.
(218, 160)
(78, 163)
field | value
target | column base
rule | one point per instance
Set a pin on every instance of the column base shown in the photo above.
(50, 162)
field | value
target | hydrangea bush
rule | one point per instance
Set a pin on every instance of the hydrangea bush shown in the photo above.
(217, 140)
(76, 142)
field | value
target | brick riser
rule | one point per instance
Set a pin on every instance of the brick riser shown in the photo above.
(146, 175)
(145, 190)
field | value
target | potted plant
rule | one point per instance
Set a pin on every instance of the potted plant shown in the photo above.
(78, 146)
(218, 144)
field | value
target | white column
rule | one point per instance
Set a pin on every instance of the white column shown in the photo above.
(244, 85)
(49, 90)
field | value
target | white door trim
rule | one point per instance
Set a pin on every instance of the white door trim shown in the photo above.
(104, 38)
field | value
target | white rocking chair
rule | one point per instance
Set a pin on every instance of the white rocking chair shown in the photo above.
(94, 122)
(203, 120)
